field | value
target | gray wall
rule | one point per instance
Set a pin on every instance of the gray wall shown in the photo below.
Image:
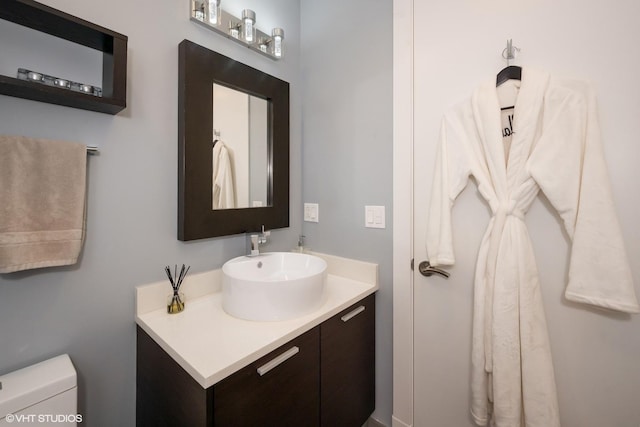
(346, 51)
(87, 310)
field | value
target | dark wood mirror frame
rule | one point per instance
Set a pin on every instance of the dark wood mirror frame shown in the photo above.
(198, 69)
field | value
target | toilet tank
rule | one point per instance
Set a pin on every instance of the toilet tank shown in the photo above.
(44, 394)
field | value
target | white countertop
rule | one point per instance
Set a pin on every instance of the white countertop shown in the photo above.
(210, 344)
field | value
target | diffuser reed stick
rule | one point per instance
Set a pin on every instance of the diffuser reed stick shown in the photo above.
(176, 300)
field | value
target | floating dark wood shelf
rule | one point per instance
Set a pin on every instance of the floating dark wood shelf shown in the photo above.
(113, 46)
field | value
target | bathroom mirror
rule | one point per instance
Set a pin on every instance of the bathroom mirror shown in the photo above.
(206, 124)
(240, 146)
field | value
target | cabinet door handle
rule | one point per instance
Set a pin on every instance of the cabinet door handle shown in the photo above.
(278, 360)
(350, 315)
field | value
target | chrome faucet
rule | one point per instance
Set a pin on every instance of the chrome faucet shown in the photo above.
(255, 240)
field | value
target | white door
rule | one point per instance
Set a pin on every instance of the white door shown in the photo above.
(443, 307)
(454, 46)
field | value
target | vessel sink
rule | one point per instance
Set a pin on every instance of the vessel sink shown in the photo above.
(273, 286)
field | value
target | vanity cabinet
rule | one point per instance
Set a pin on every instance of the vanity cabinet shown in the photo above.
(347, 366)
(280, 389)
(324, 377)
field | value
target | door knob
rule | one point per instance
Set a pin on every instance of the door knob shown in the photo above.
(428, 270)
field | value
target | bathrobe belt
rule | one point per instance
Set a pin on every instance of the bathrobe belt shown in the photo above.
(501, 211)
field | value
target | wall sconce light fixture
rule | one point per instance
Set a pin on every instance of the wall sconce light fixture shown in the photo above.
(214, 12)
(209, 14)
(273, 46)
(277, 35)
(248, 25)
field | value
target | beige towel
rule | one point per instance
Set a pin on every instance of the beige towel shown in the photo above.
(42, 202)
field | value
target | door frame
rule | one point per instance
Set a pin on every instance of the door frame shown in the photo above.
(403, 360)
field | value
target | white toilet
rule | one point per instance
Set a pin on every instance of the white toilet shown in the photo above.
(44, 394)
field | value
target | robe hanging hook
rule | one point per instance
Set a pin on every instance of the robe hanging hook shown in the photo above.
(509, 52)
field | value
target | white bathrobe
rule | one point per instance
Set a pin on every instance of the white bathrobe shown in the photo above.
(555, 147)
(224, 189)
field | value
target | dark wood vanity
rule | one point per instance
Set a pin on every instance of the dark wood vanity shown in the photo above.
(324, 377)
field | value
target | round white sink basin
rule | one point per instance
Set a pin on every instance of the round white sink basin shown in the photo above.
(273, 286)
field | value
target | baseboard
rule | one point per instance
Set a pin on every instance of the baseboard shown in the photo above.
(397, 423)
(372, 422)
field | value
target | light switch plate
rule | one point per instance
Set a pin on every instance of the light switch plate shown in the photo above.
(311, 212)
(374, 217)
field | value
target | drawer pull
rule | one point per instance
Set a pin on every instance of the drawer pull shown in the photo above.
(278, 360)
(352, 314)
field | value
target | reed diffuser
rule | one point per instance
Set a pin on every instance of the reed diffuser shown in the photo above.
(175, 302)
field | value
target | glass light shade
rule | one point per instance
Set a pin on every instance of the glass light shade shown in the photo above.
(199, 10)
(278, 35)
(214, 12)
(248, 25)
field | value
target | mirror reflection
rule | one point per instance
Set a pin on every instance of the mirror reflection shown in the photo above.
(240, 149)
